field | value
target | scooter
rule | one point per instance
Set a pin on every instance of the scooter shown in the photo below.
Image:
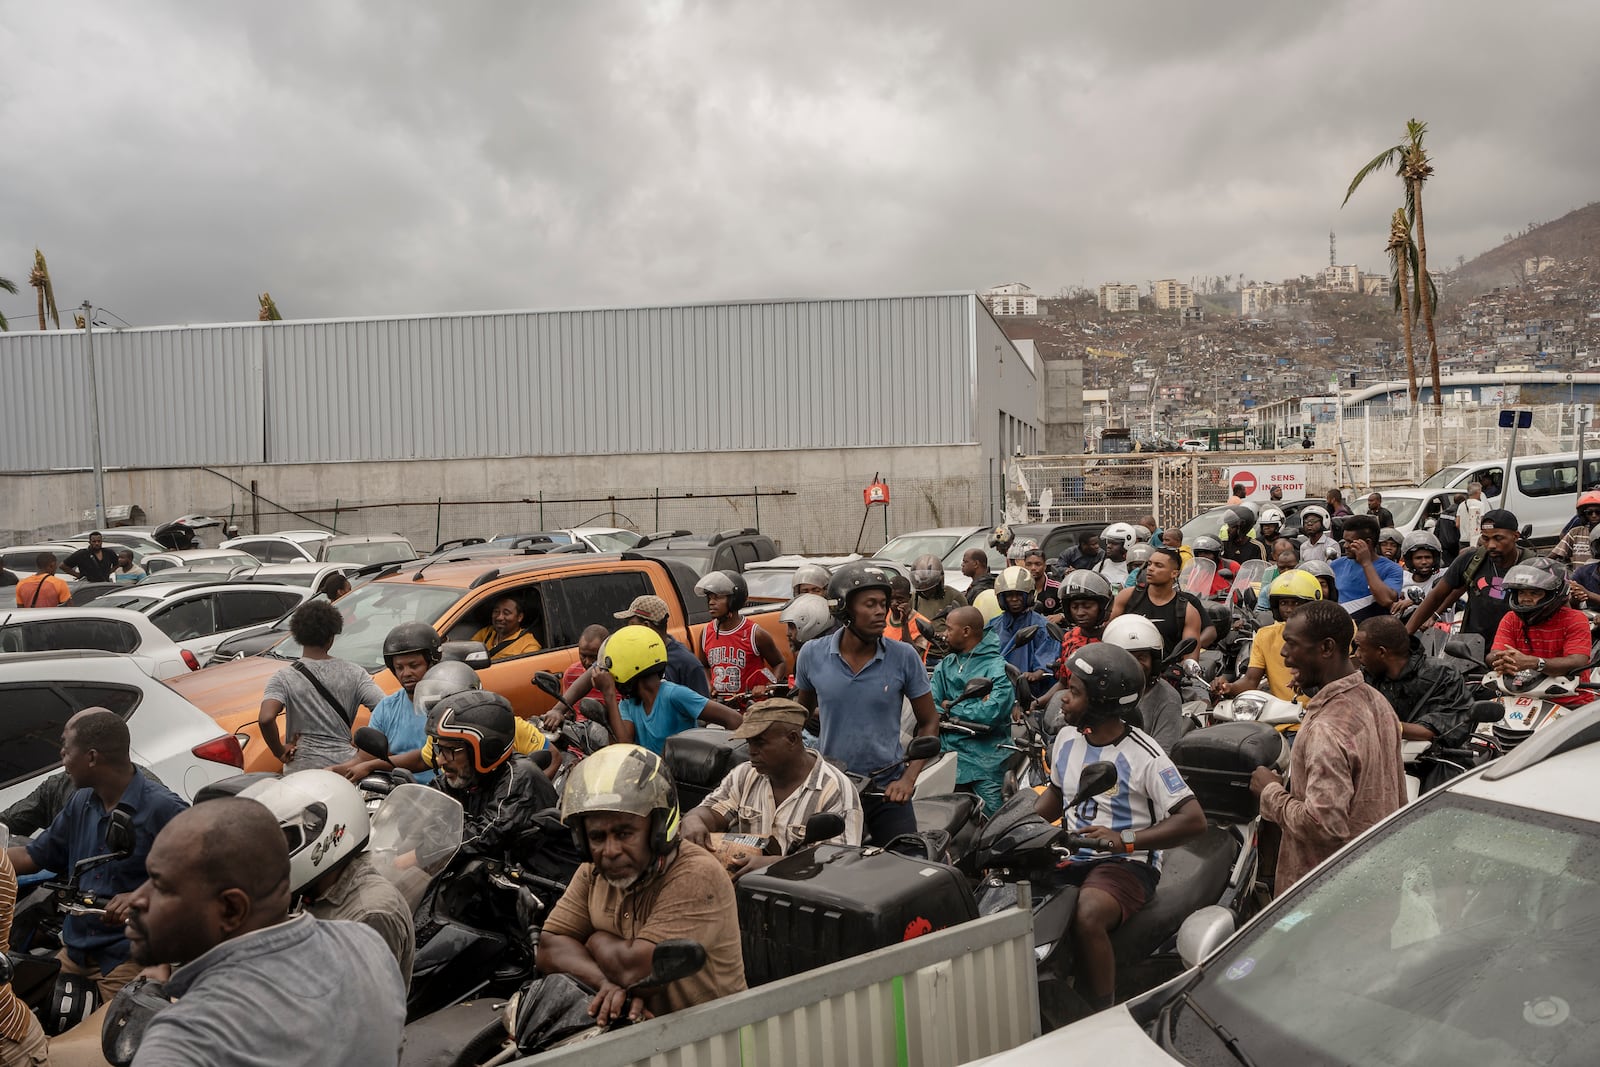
(1528, 703)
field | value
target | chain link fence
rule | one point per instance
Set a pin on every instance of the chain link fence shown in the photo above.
(1399, 449)
(822, 517)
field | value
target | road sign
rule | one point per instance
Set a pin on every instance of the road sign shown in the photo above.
(1514, 419)
(1259, 479)
(1244, 480)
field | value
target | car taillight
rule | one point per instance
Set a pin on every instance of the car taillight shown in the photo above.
(224, 749)
(188, 657)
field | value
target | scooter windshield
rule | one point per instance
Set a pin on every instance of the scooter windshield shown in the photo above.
(1198, 576)
(1246, 592)
(415, 834)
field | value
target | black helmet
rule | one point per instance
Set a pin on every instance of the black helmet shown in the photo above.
(1085, 585)
(1545, 575)
(411, 637)
(483, 721)
(851, 579)
(1113, 678)
(725, 583)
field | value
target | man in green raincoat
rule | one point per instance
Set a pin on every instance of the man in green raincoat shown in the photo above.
(975, 653)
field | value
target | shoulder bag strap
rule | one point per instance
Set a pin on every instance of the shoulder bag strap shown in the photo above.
(300, 666)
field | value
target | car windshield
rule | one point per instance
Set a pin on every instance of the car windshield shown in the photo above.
(1443, 478)
(365, 552)
(1403, 508)
(1208, 523)
(952, 558)
(1467, 933)
(906, 549)
(371, 612)
(617, 541)
(767, 584)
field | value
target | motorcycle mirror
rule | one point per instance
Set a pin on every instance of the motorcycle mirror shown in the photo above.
(976, 687)
(373, 742)
(674, 959)
(547, 681)
(1097, 778)
(922, 748)
(1056, 632)
(1024, 635)
(120, 838)
(923, 629)
(1527, 530)
(1486, 711)
(822, 826)
(1180, 650)
(1203, 933)
(472, 653)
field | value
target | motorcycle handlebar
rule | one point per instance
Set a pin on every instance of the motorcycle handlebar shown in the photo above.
(1075, 842)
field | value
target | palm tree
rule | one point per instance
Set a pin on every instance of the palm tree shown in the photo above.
(39, 278)
(1401, 257)
(1411, 163)
(9, 286)
(269, 308)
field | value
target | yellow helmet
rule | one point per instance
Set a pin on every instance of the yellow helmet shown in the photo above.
(1293, 585)
(988, 602)
(626, 779)
(631, 651)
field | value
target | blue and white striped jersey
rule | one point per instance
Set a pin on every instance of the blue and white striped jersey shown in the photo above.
(1148, 786)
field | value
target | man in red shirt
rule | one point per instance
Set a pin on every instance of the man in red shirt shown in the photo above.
(1541, 633)
(741, 658)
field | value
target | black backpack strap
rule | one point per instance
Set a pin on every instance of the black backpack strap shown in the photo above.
(300, 666)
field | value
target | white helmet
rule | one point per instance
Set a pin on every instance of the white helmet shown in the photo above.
(1134, 633)
(1120, 531)
(1020, 548)
(1271, 515)
(810, 616)
(1319, 511)
(323, 817)
(810, 574)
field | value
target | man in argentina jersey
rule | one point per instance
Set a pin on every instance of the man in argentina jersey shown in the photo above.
(1149, 809)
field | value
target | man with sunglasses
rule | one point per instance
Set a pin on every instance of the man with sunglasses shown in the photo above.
(1573, 547)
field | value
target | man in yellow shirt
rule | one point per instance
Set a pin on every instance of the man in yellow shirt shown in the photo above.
(505, 637)
(1286, 593)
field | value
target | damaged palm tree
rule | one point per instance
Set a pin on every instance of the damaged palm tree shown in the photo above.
(1402, 259)
(9, 286)
(39, 278)
(269, 309)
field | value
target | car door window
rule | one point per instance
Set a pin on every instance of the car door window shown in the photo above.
(1489, 478)
(585, 599)
(107, 635)
(188, 619)
(30, 730)
(1546, 479)
(283, 552)
(744, 554)
(530, 598)
(120, 699)
(238, 608)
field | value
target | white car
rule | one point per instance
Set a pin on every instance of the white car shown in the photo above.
(40, 691)
(286, 546)
(200, 616)
(215, 559)
(772, 580)
(23, 560)
(100, 628)
(1461, 929)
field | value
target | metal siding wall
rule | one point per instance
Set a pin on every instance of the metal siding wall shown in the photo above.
(776, 375)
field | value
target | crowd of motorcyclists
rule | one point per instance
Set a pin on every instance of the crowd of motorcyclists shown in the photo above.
(260, 925)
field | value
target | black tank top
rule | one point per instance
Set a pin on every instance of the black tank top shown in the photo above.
(1168, 618)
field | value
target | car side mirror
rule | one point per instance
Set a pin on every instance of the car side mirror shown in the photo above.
(1097, 778)
(1527, 531)
(1203, 933)
(472, 653)
(1487, 711)
(823, 826)
(922, 748)
(373, 741)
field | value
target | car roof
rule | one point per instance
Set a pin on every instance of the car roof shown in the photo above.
(200, 553)
(789, 563)
(167, 590)
(9, 658)
(358, 539)
(43, 546)
(582, 530)
(469, 573)
(949, 531)
(87, 611)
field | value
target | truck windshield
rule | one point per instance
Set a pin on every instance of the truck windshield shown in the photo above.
(1465, 934)
(1443, 478)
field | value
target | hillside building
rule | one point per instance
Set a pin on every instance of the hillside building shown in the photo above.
(1171, 295)
(1115, 296)
(1012, 298)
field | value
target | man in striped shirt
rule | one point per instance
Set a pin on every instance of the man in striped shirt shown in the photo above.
(22, 1040)
(782, 786)
(1149, 809)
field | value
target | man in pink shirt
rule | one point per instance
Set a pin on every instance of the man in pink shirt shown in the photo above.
(1345, 772)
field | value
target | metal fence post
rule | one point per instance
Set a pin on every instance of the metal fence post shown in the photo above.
(657, 524)
(541, 509)
(335, 514)
(438, 520)
(255, 508)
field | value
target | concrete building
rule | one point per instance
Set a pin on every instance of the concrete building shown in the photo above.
(443, 426)
(1171, 295)
(1538, 265)
(1061, 406)
(1374, 284)
(1115, 296)
(1256, 300)
(1193, 315)
(1343, 279)
(1012, 298)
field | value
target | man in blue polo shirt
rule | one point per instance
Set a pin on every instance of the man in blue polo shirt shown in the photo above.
(855, 682)
(1369, 584)
(95, 755)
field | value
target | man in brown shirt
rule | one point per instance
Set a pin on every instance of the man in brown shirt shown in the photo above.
(642, 885)
(1345, 772)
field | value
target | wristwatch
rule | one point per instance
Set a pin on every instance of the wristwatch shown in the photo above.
(1127, 840)
(1539, 666)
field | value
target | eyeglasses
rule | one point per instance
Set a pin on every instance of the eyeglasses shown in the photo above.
(448, 751)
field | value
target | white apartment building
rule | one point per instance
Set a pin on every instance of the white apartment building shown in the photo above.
(1115, 296)
(1012, 298)
(1171, 294)
(1255, 300)
(1345, 279)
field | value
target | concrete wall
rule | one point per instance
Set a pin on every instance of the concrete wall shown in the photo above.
(930, 486)
(1061, 406)
(1005, 405)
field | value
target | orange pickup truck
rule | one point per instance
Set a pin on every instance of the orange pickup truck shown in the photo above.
(560, 596)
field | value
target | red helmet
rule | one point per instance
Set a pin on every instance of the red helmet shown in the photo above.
(1591, 499)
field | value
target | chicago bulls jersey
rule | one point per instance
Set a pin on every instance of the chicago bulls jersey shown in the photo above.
(734, 663)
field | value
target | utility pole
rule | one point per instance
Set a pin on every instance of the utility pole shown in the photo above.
(94, 417)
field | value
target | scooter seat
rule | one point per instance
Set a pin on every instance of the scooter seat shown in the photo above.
(949, 812)
(1192, 876)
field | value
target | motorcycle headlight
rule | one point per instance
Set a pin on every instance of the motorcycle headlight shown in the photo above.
(1247, 707)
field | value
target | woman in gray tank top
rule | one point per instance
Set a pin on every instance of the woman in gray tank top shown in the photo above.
(318, 695)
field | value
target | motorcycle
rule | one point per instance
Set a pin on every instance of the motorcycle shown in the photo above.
(1528, 702)
(576, 737)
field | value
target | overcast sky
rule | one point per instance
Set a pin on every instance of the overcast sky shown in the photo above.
(174, 160)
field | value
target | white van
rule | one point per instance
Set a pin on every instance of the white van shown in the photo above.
(1543, 490)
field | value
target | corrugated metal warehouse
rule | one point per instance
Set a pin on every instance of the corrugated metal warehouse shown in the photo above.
(804, 396)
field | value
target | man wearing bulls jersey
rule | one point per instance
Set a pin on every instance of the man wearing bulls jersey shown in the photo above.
(741, 658)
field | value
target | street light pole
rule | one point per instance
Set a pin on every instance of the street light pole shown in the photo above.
(94, 417)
